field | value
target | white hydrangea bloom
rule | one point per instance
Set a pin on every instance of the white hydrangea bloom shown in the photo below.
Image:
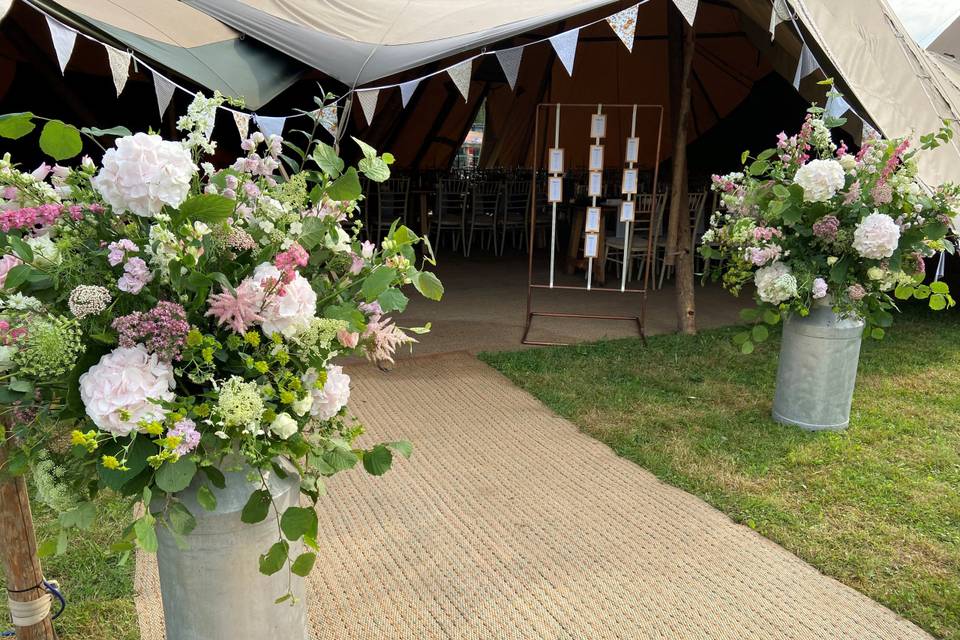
(820, 179)
(143, 173)
(334, 395)
(775, 283)
(876, 236)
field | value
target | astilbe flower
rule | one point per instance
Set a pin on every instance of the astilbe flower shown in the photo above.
(88, 300)
(186, 430)
(239, 310)
(49, 348)
(240, 240)
(853, 194)
(162, 330)
(826, 228)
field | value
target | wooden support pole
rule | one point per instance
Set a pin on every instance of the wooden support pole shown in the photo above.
(18, 545)
(679, 234)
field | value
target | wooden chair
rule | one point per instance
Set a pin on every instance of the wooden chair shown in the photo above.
(451, 211)
(516, 213)
(484, 213)
(392, 198)
(649, 219)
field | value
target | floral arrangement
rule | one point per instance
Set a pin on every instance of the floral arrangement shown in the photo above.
(163, 320)
(809, 222)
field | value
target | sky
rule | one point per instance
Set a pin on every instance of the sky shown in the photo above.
(925, 19)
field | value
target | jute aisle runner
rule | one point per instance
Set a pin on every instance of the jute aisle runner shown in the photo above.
(509, 523)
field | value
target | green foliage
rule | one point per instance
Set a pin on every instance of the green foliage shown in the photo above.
(257, 507)
(60, 141)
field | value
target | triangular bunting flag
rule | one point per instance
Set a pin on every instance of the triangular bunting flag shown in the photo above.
(368, 103)
(164, 90)
(270, 125)
(119, 67)
(63, 41)
(688, 8)
(805, 66)
(407, 89)
(5, 7)
(242, 120)
(779, 13)
(510, 61)
(624, 24)
(329, 119)
(836, 106)
(460, 74)
(565, 44)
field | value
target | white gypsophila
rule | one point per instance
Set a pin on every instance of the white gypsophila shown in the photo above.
(820, 179)
(876, 236)
(775, 283)
(328, 401)
(286, 314)
(118, 391)
(142, 173)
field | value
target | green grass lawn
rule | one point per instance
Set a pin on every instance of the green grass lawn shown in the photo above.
(99, 591)
(877, 506)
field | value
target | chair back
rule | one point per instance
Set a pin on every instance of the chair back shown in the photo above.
(486, 199)
(516, 201)
(451, 200)
(392, 197)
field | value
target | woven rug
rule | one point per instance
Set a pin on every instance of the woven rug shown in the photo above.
(508, 523)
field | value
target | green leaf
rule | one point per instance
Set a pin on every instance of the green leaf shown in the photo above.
(283, 598)
(346, 187)
(781, 191)
(746, 348)
(903, 292)
(375, 169)
(377, 282)
(303, 565)
(62, 542)
(741, 338)
(257, 507)
(377, 461)
(939, 287)
(206, 498)
(428, 285)
(877, 333)
(136, 461)
(146, 533)
(215, 476)
(14, 126)
(116, 132)
(766, 154)
(368, 151)
(17, 276)
(47, 548)
(938, 302)
(21, 386)
(749, 314)
(314, 229)
(760, 333)
(771, 317)
(392, 300)
(744, 156)
(60, 140)
(181, 520)
(21, 248)
(272, 561)
(206, 207)
(299, 521)
(921, 292)
(402, 447)
(81, 516)
(176, 476)
(758, 167)
(327, 159)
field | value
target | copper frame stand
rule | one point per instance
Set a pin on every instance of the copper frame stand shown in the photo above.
(648, 263)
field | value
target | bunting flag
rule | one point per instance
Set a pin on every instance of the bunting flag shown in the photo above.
(270, 125)
(329, 119)
(780, 12)
(688, 8)
(407, 89)
(836, 106)
(805, 66)
(510, 62)
(460, 74)
(624, 24)
(565, 44)
(164, 90)
(5, 7)
(242, 120)
(63, 41)
(119, 67)
(368, 103)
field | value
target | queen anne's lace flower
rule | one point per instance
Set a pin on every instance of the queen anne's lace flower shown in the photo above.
(240, 404)
(117, 392)
(143, 173)
(776, 283)
(876, 236)
(820, 179)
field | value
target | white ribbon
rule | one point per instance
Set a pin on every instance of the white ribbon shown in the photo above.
(31, 612)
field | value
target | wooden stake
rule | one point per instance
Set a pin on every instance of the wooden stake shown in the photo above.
(18, 545)
(678, 231)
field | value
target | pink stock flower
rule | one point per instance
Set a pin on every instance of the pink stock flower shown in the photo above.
(357, 265)
(118, 251)
(366, 249)
(30, 217)
(238, 311)
(41, 172)
(288, 261)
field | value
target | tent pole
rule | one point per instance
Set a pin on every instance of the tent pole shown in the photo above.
(677, 253)
(18, 546)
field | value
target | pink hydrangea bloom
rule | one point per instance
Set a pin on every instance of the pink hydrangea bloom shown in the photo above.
(186, 430)
(118, 251)
(135, 276)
